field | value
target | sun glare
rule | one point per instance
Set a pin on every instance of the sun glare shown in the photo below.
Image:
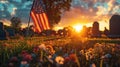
(77, 28)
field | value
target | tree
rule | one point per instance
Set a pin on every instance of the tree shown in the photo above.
(55, 8)
(16, 24)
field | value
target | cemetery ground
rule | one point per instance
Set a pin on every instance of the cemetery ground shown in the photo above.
(60, 52)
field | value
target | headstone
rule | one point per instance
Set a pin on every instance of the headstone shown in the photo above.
(1, 26)
(2, 32)
(95, 30)
(114, 26)
(11, 32)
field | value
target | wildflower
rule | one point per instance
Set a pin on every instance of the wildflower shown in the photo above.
(82, 52)
(50, 49)
(93, 65)
(33, 55)
(87, 55)
(24, 64)
(91, 56)
(52, 52)
(42, 46)
(108, 55)
(49, 58)
(72, 57)
(67, 59)
(65, 55)
(14, 59)
(27, 57)
(102, 57)
(23, 53)
(90, 49)
(59, 60)
(36, 49)
(10, 64)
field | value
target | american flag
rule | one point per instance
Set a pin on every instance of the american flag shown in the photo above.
(39, 16)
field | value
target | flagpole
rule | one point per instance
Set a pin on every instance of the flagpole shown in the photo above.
(28, 26)
(29, 20)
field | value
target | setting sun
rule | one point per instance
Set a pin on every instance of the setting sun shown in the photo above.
(77, 28)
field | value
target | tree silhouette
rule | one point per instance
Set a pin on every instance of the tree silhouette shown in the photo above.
(16, 24)
(55, 8)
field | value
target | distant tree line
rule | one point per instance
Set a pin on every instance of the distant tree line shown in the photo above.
(15, 30)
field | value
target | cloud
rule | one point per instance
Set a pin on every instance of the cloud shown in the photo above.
(5, 22)
(101, 11)
(3, 1)
(23, 14)
(4, 13)
(19, 8)
(13, 11)
(88, 11)
(111, 4)
(77, 15)
(95, 8)
(116, 10)
(107, 5)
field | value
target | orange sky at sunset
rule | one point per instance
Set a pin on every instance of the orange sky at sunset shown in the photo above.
(74, 16)
(85, 12)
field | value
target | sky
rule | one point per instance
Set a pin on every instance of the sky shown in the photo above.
(83, 12)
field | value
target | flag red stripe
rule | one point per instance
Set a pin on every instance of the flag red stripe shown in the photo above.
(43, 22)
(35, 22)
(46, 20)
(39, 22)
